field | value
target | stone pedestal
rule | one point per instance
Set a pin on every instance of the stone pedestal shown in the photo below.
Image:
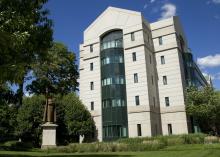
(49, 135)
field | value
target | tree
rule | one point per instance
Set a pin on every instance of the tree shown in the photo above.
(57, 73)
(204, 105)
(29, 119)
(25, 35)
(8, 113)
(73, 119)
(77, 118)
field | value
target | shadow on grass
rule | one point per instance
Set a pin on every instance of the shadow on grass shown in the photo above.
(66, 155)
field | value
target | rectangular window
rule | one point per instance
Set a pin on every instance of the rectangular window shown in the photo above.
(170, 132)
(91, 85)
(91, 66)
(165, 80)
(91, 48)
(160, 41)
(92, 106)
(154, 101)
(132, 36)
(167, 101)
(139, 133)
(152, 79)
(137, 101)
(162, 59)
(134, 56)
(135, 78)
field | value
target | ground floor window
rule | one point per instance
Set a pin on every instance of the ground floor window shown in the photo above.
(170, 132)
(112, 131)
(139, 133)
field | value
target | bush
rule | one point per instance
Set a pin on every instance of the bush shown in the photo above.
(16, 145)
(136, 144)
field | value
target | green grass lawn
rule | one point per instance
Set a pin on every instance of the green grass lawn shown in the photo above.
(212, 150)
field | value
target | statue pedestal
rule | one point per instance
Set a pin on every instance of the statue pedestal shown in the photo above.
(49, 135)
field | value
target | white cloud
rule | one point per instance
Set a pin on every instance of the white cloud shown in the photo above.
(217, 17)
(216, 1)
(209, 61)
(168, 10)
(145, 6)
(206, 74)
(152, 1)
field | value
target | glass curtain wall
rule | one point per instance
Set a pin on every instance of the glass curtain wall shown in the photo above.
(114, 105)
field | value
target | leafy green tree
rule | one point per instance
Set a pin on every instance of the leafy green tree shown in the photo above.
(57, 73)
(204, 105)
(73, 119)
(25, 35)
(8, 113)
(29, 119)
(77, 118)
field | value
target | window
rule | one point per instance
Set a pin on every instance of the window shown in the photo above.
(139, 133)
(165, 80)
(137, 102)
(91, 66)
(154, 101)
(167, 101)
(91, 85)
(135, 78)
(152, 79)
(92, 106)
(170, 132)
(134, 56)
(160, 41)
(150, 58)
(162, 59)
(91, 48)
(132, 36)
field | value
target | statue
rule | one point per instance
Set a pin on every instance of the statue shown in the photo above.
(49, 126)
(49, 111)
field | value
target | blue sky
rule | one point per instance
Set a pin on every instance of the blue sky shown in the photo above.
(200, 20)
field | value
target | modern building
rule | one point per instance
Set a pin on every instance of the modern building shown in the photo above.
(133, 75)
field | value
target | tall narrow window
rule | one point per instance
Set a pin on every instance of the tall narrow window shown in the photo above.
(170, 132)
(160, 41)
(167, 101)
(91, 85)
(91, 48)
(165, 80)
(139, 133)
(91, 66)
(154, 101)
(135, 78)
(152, 79)
(137, 101)
(92, 106)
(134, 56)
(162, 59)
(132, 36)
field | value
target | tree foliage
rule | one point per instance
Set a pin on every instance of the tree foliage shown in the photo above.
(25, 35)
(73, 119)
(7, 113)
(58, 72)
(29, 119)
(204, 105)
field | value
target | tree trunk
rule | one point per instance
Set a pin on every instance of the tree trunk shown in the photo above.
(20, 91)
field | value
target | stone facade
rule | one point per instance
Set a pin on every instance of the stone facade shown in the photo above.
(151, 116)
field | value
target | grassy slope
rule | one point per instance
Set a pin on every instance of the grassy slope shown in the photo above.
(173, 151)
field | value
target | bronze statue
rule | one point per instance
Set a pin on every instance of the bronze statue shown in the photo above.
(49, 111)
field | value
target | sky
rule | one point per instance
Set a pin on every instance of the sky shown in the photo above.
(200, 20)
